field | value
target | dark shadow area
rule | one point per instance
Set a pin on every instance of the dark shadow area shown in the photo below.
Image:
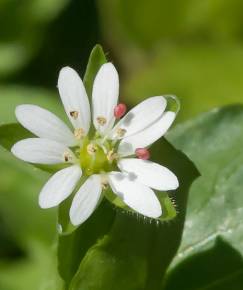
(218, 268)
(9, 248)
(82, 239)
(68, 41)
(168, 234)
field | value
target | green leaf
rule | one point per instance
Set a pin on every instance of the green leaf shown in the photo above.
(12, 133)
(96, 59)
(72, 247)
(219, 267)
(211, 252)
(135, 253)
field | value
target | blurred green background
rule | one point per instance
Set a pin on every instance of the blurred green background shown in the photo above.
(190, 48)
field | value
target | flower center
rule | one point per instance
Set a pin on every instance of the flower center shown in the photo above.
(96, 157)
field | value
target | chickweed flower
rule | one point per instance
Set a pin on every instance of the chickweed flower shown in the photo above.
(100, 158)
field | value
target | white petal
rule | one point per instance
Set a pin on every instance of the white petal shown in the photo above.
(141, 116)
(44, 124)
(136, 195)
(148, 136)
(85, 200)
(105, 95)
(74, 98)
(149, 173)
(59, 186)
(41, 151)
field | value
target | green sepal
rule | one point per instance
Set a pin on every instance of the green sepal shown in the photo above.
(173, 103)
(64, 225)
(167, 205)
(96, 59)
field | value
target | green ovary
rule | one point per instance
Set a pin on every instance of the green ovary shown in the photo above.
(94, 162)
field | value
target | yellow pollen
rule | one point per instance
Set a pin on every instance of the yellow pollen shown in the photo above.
(101, 120)
(74, 114)
(121, 132)
(79, 133)
(91, 149)
(111, 156)
(67, 156)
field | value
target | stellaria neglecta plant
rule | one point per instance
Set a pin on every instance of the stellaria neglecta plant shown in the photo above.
(110, 153)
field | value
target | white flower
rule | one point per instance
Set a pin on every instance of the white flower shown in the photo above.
(98, 155)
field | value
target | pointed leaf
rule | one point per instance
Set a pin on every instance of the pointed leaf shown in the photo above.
(213, 234)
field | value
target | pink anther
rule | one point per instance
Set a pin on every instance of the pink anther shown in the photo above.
(142, 153)
(120, 110)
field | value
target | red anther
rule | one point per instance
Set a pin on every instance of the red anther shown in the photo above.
(120, 110)
(142, 153)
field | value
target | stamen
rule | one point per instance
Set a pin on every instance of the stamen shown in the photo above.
(67, 156)
(74, 114)
(142, 153)
(104, 185)
(91, 149)
(111, 156)
(104, 182)
(120, 132)
(120, 110)
(101, 120)
(79, 133)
